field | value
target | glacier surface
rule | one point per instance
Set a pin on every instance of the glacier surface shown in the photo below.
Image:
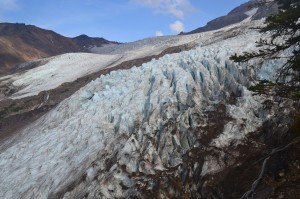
(133, 123)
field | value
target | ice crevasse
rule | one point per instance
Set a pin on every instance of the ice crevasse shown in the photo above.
(142, 120)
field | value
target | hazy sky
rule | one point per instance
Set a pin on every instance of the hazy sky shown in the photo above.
(117, 20)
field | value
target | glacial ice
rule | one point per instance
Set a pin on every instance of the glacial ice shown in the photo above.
(132, 121)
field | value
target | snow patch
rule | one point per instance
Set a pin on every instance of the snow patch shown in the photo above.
(251, 12)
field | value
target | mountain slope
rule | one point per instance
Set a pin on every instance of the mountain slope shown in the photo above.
(242, 12)
(21, 43)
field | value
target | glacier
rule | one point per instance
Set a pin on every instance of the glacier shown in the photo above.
(71, 66)
(114, 135)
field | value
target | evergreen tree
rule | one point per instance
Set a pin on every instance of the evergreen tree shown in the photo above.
(284, 31)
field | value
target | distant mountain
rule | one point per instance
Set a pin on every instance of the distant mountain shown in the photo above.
(21, 43)
(240, 13)
(87, 42)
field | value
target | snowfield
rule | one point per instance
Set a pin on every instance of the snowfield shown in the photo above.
(129, 121)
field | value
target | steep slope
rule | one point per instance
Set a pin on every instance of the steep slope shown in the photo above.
(242, 12)
(21, 43)
(168, 129)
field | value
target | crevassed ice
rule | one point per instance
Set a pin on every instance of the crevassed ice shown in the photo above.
(121, 116)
